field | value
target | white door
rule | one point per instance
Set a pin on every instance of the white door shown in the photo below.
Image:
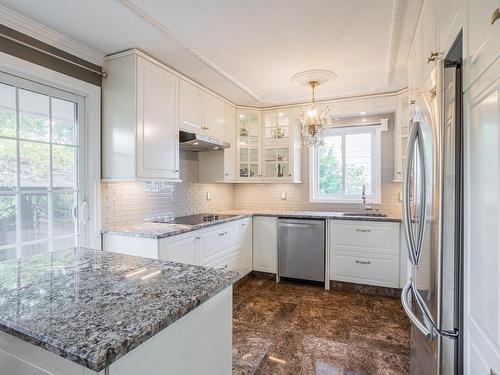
(42, 201)
(265, 243)
(157, 130)
(190, 107)
(482, 230)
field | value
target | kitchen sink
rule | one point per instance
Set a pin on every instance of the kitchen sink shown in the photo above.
(365, 214)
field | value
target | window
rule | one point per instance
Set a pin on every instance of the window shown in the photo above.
(40, 164)
(348, 160)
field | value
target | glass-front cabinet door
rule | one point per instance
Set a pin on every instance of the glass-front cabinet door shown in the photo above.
(276, 146)
(248, 143)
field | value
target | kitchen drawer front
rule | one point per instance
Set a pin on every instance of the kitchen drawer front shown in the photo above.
(219, 240)
(370, 271)
(182, 248)
(230, 262)
(377, 239)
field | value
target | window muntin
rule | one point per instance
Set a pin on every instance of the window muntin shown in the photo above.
(39, 167)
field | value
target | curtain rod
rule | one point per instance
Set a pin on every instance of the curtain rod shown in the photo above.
(102, 74)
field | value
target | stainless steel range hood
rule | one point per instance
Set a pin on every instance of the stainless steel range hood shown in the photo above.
(200, 142)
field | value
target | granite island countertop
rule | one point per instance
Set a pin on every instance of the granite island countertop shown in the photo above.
(146, 229)
(92, 307)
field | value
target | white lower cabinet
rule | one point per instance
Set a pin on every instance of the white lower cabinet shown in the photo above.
(365, 252)
(218, 241)
(227, 246)
(182, 248)
(246, 258)
(265, 244)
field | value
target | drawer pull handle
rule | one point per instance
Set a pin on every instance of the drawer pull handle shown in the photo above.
(363, 230)
(222, 233)
(495, 15)
(205, 127)
(223, 268)
(197, 238)
(361, 262)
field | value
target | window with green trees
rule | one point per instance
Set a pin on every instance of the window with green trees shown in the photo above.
(346, 162)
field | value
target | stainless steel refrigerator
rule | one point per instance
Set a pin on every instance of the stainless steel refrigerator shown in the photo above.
(432, 207)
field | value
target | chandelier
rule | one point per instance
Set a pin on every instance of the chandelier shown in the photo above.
(313, 120)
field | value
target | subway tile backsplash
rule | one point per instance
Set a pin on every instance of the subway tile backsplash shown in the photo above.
(126, 202)
(269, 196)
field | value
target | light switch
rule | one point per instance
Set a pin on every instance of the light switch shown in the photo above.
(208, 195)
(283, 195)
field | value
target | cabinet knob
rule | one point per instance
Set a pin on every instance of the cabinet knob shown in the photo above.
(495, 15)
(432, 57)
(205, 127)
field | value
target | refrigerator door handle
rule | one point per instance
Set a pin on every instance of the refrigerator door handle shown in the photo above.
(423, 195)
(405, 296)
(429, 333)
(428, 316)
(410, 239)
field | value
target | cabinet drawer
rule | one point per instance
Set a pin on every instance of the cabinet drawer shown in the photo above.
(230, 262)
(220, 240)
(182, 248)
(365, 237)
(382, 272)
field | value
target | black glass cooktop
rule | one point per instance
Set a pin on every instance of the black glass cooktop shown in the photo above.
(192, 219)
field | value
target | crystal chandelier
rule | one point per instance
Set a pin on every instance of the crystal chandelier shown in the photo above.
(313, 121)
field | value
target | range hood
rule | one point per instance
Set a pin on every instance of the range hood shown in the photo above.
(200, 142)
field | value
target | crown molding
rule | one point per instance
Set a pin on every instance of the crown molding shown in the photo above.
(394, 38)
(44, 34)
(133, 8)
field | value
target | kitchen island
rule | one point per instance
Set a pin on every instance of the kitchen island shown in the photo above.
(82, 311)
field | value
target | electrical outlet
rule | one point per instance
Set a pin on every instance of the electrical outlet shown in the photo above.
(208, 195)
(283, 195)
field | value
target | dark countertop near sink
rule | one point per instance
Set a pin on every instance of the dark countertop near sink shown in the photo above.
(160, 230)
(88, 306)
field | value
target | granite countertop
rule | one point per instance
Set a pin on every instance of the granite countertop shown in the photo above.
(313, 215)
(147, 229)
(92, 307)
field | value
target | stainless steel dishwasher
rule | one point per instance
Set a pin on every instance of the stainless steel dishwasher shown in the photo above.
(301, 249)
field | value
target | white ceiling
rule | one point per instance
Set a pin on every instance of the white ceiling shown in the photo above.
(247, 51)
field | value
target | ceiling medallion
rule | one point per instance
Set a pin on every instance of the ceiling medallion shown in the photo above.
(313, 120)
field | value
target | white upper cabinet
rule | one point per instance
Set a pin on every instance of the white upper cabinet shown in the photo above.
(157, 131)
(281, 149)
(220, 166)
(482, 37)
(230, 137)
(213, 119)
(448, 23)
(140, 134)
(199, 111)
(429, 52)
(191, 107)
(248, 145)
(401, 132)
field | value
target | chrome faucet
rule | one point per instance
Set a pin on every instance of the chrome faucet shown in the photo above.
(363, 198)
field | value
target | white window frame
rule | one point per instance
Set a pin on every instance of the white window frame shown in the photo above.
(91, 214)
(376, 167)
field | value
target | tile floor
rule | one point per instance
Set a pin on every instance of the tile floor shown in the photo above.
(290, 328)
